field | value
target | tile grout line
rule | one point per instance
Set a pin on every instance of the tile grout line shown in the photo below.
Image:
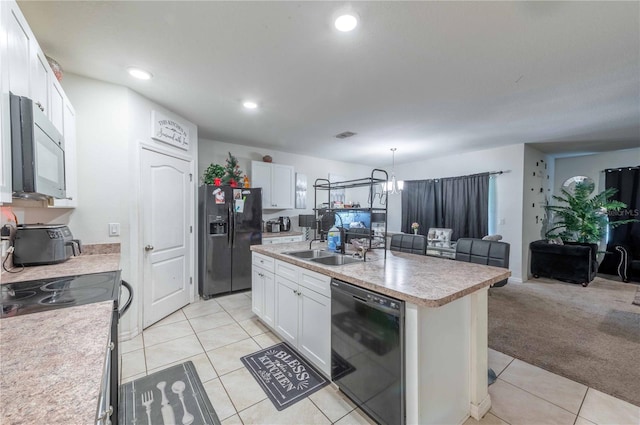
(582, 404)
(540, 398)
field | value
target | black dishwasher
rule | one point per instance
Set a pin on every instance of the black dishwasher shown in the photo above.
(367, 350)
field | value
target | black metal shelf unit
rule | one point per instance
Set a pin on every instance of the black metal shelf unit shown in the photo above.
(377, 179)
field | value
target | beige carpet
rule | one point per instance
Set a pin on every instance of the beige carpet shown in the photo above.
(590, 335)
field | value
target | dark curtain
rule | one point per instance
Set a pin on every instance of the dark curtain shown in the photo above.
(416, 196)
(627, 181)
(457, 203)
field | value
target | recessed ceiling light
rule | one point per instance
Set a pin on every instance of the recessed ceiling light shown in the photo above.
(249, 104)
(346, 23)
(139, 73)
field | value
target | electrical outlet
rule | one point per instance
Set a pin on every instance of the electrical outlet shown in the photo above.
(114, 229)
(502, 221)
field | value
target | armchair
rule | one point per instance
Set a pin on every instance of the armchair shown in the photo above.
(628, 263)
(439, 236)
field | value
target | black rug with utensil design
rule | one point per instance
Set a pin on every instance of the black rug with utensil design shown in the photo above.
(174, 395)
(284, 376)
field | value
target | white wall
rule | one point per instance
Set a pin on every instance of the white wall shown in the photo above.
(217, 152)
(536, 190)
(112, 122)
(509, 195)
(592, 166)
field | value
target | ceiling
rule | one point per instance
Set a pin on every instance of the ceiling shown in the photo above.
(428, 78)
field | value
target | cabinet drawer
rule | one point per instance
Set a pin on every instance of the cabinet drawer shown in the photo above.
(287, 270)
(263, 261)
(316, 282)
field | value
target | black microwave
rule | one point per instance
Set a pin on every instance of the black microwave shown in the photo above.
(37, 152)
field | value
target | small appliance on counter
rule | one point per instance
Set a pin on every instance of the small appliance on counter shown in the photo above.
(38, 244)
(285, 224)
(273, 226)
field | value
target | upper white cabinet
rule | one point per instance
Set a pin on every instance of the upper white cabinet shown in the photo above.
(56, 113)
(70, 157)
(26, 72)
(277, 182)
(41, 81)
(20, 50)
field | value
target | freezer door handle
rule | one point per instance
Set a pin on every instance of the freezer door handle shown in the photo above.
(233, 233)
(230, 226)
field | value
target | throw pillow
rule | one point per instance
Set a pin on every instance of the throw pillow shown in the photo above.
(556, 241)
(492, 238)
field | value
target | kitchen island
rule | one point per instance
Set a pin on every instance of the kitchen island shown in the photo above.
(445, 323)
(52, 362)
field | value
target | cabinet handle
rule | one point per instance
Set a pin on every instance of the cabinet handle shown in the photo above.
(148, 248)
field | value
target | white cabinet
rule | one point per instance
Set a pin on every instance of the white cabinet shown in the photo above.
(303, 312)
(277, 182)
(16, 52)
(20, 44)
(5, 132)
(70, 157)
(282, 239)
(287, 317)
(41, 80)
(25, 71)
(263, 288)
(56, 113)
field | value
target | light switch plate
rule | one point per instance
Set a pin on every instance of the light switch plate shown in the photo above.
(114, 229)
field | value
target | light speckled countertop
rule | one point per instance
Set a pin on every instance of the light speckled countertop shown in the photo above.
(419, 279)
(280, 234)
(83, 264)
(52, 363)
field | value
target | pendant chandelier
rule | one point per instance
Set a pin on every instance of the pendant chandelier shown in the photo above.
(393, 186)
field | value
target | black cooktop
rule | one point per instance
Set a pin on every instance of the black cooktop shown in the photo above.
(34, 296)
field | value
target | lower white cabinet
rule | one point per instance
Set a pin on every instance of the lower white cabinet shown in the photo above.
(296, 304)
(263, 288)
(263, 294)
(303, 313)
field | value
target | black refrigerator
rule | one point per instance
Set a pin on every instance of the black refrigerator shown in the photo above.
(230, 221)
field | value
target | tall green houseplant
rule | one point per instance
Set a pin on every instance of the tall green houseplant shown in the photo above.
(584, 219)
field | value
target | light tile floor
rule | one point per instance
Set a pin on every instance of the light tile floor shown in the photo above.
(214, 334)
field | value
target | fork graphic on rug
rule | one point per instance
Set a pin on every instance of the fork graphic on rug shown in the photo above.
(168, 415)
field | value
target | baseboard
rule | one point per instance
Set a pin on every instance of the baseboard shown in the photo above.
(477, 412)
(515, 280)
(130, 334)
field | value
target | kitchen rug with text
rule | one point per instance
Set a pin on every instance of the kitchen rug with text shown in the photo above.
(284, 376)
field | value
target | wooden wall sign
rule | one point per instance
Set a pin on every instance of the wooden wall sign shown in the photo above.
(168, 130)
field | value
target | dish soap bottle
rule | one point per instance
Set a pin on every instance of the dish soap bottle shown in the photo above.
(333, 239)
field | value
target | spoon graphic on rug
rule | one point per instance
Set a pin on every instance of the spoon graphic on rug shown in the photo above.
(178, 388)
(168, 417)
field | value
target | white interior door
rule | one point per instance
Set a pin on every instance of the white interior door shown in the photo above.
(167, 215)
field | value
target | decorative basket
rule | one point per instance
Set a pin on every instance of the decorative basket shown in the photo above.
(56, 68)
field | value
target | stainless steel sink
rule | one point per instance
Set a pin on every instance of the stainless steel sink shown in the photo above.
(308, 254)
(335, 260)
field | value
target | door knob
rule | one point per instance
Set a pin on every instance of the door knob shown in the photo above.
(148, 248)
